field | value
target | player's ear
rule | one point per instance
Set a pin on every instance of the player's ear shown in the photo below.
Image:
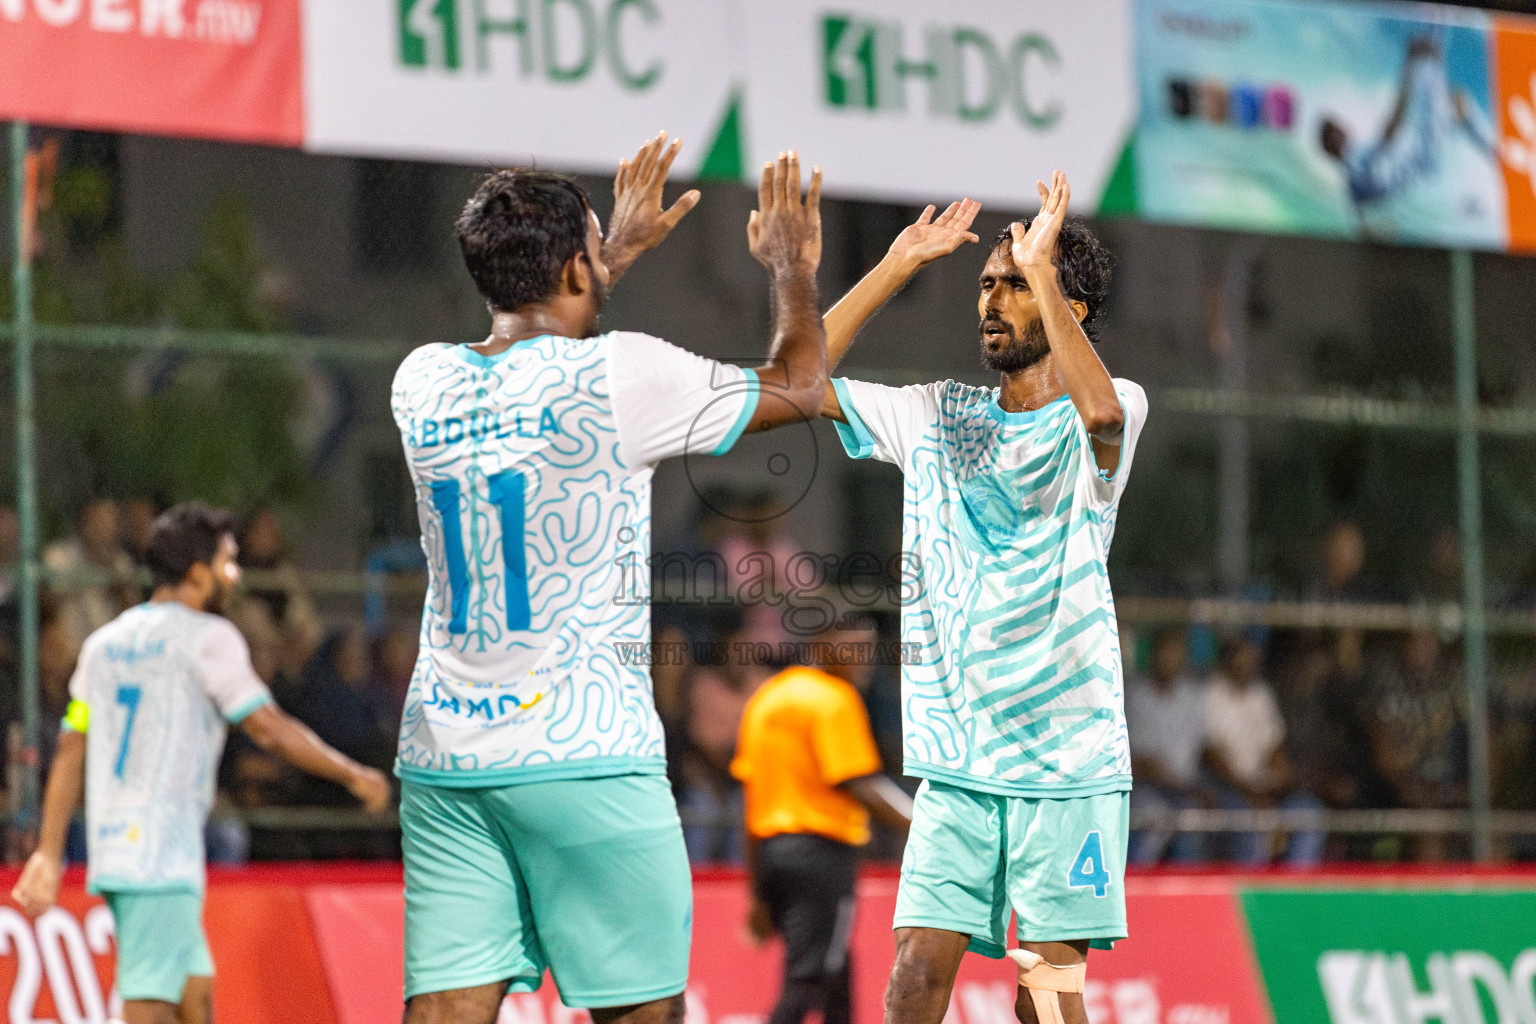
(577, 275)
(1079, 309)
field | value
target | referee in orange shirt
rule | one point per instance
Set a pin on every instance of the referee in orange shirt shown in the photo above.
(807, 762)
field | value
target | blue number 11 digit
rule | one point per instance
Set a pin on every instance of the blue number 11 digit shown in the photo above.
(507, 493)
(128, 696)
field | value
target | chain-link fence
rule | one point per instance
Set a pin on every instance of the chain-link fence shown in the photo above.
(1337, 472)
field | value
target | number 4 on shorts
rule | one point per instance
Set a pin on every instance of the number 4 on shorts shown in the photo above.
(1088, 869)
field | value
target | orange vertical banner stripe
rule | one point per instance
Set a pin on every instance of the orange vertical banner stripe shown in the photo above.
(1515, 95)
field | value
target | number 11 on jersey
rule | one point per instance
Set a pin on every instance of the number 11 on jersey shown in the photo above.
(508, 493)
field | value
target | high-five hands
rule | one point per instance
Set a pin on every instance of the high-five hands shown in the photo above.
(784, 233)
(921, 243)
(1035, 249)
(639, 223)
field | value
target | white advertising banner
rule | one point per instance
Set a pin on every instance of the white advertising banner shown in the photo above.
(925, 101)
(903, 99)
(570, 84)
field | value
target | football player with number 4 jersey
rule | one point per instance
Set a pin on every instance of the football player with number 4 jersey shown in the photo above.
(538, 825)
(1013, 707)
(150, 699)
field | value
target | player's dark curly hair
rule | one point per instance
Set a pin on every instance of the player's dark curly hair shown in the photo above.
(183, 536)
(1083, 266)
(518, 231)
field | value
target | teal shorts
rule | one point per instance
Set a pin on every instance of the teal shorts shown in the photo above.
(160, 943)
(587, 877)
(975, 858)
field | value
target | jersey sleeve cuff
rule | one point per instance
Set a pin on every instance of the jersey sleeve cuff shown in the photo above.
(858, 442)
(1108, 475)
(244, 711)
(748, 407)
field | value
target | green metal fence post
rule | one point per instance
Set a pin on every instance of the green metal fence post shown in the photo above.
(1475, 635)
(26, 471)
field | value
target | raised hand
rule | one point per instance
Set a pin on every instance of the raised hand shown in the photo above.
(639, 223)
(1035, 249)
(927, 240)
(784, 233)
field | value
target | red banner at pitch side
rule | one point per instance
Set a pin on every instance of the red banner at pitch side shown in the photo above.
(226, 69)
(323, 946)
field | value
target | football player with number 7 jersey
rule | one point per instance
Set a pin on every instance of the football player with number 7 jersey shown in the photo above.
(149, 703)
(538, 825)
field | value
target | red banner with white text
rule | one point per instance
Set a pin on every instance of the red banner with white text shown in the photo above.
(224, 69)
(324, 946)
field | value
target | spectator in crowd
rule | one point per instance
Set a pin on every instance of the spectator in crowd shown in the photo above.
(746, 530)
(394, 659)
(268, 654)
(337, 700)
(1414, 719)
(715, 697)
(338, 703)
(10, 552)
(1324, 741)
(135, 525)
(1165, 715)
(1341, 574)
(56, 656)
(1441, 579)
(98, 574)
(1245, 745)
(1513, 743)
(273, 580)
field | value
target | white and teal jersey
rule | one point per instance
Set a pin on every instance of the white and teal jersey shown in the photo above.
(1017, 687)
(532, 471)
(152, 691)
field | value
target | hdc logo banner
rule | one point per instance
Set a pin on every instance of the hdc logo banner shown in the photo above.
(928, 102)
(1402, 956)
(573, 84)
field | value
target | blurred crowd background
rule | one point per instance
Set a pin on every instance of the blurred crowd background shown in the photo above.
(1232, 719)
(163, 264)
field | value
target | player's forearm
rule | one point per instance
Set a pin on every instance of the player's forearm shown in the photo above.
(886, 801)
(281, 734)
(1088, 383)
(845, 320)
(618, 258)
(796, 374)
(66, 786)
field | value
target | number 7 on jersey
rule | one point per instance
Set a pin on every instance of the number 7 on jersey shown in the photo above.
(128, 696)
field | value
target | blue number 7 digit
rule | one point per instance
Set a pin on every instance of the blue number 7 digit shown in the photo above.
(128, 696)
(1088, 869)
(507, 494)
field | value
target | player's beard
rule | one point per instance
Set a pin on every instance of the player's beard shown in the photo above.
(218, 601)
(1019, 353)
(599, 300)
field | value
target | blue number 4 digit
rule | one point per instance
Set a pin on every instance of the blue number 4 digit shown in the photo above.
(128, 696)
(1088, 869)
(507, 494)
